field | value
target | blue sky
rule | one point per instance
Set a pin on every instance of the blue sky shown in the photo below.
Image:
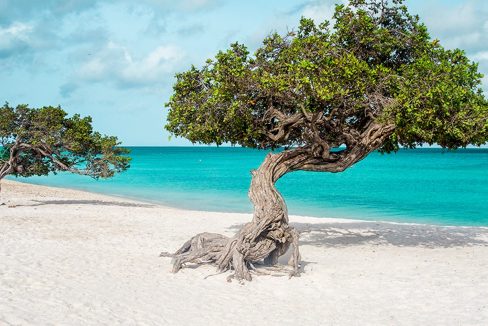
(115, 60)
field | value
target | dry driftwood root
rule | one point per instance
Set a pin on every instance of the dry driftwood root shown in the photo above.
(238, 253)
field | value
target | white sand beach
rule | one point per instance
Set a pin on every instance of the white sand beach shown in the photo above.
(76, 258)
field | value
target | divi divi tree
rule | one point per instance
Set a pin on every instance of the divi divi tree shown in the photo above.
(44, 140)
(328, 96)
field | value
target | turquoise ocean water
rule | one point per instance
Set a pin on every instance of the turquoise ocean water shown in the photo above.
(422, 185)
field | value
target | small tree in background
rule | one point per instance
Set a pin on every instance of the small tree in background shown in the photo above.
(329, 97)
(44, 140)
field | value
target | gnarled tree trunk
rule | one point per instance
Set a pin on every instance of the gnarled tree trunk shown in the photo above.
(265, 238)
(268, 235)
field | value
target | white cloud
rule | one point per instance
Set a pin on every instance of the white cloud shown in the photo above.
(154, 66)
(14, 36)
(116, 63)
(463, 25)
(319, 11)
(480, 56)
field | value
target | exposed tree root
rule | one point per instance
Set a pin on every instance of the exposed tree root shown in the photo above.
(235, 254)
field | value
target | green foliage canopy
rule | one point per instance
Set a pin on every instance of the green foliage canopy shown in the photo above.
(323, 86)
(44, 140)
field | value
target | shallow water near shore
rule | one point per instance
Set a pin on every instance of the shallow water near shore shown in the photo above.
(421, 186)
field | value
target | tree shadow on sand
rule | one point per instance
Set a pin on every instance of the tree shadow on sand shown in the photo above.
(383, 233)
(35, 203)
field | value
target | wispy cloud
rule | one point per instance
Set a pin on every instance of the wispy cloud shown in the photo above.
(115, 63)
(461, 25)
(319, 10)
(480, 56)
(14, 37)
